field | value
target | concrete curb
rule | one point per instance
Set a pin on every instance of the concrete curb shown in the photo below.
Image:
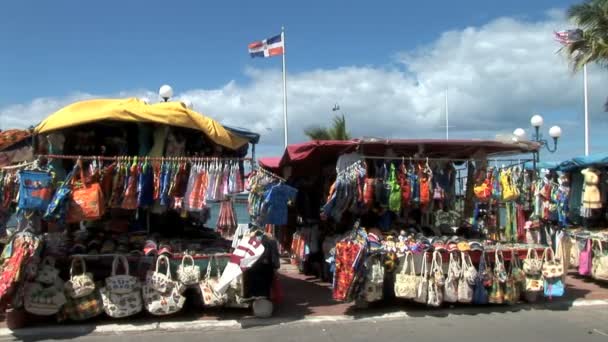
(215, 325)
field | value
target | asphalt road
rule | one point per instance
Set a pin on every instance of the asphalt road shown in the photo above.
(576, 324)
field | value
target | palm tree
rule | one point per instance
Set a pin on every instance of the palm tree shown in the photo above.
(588, 44)
(337, 131)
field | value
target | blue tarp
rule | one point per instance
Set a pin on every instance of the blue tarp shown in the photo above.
(541, 165)
(253, 137)
(598, 159)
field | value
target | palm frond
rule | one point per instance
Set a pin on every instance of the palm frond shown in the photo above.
(317, 133)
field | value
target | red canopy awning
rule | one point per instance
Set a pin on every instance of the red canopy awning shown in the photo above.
(309, 157)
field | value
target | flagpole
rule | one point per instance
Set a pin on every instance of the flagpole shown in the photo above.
(284, 88)
(447, 116)
(585, 94)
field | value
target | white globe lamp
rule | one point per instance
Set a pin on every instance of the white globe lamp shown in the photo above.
(165, 92)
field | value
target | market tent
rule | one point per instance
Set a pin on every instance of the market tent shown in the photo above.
(583, 162)
(134, 110)
(309, 156)
(270, 163)
(12, 137)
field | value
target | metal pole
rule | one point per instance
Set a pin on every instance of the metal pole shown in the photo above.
(585, 91)
(284, 88)
(447, 116)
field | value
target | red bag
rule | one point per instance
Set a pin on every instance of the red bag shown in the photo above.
(368, 192)
(406, 189)
(86, 200)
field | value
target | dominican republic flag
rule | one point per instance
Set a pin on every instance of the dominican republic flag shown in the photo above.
(270, 47)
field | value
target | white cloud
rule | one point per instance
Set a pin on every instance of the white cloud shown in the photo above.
(497, 74)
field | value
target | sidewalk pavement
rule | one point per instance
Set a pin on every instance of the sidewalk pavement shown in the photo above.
(309, 300)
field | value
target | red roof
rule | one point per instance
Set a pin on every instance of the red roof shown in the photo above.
(311, 155)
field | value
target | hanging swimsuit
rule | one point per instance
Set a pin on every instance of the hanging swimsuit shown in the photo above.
(146, 186)
(129, 201)
(425, 192)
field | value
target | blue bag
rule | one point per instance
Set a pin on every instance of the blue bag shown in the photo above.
(58, 206)
(554, 287)
(35, 190)
(480, 293)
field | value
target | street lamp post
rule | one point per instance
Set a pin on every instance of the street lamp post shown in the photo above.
(165, 92)
(537, 121)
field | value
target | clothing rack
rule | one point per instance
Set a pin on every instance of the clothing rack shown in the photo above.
(351, 167)
(116, 158)
(19, 166)
(517, 161)
(270, 174)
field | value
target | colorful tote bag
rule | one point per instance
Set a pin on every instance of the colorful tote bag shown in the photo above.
(35, 190)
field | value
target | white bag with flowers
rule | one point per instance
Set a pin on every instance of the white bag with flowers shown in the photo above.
(211, 298)
(44, 300)
(168, 302)
(188, 274)
(122, 294)
(82, 284)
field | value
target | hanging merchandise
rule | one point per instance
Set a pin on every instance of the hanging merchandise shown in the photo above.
(210, 297)
(552, 275)
(42, 299)
(86, 202)
(436, 281)
(188, 274)
(469, 276)
(346, 193)
(35, 190)
(426, 178)
(79, 285)
(599, 265)
(480, 294)
(591, 198)
(532, 267)
(47, 272)
(348, 257)
(395, 197)
(82, 308)
(226, 220)
(122, 294)
(169, 299)
(453, 279)
(374, 279)
(406, 282)
(17, 254)
(157, 280)
(585, 262)
(483, 191)
(423, 282)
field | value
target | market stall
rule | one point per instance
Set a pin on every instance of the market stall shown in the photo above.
(112, 215)
(366, 207)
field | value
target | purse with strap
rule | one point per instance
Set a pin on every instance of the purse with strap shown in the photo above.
(585, 260)
(86, 202)
(435, 296)
(35, 190)
(82, 308)
(450, 290)
(44, 300)
(500, 272)
(121, 296)
(188, 274)
(533, 264)
(423, 282)
(406, 283)
(599, 268)
(82, 284)
(552, 268)
(212, 298)
(121, 283)
(47, 272)
(157, 280)
(480, 294)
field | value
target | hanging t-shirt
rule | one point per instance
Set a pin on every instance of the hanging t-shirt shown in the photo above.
(274, 208)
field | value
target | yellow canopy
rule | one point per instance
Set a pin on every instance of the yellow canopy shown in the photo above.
(134, 110)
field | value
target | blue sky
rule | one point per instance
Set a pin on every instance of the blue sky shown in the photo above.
(56, 51)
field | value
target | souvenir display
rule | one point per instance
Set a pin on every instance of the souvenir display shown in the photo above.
(188, 274)
(122, 294)
(82, 284)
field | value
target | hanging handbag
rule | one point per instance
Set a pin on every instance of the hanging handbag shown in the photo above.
(82, 284)
(423, 282)
(86, 202)
(82, 308)
(469, 273)
(585, 260)
(552, 268)
(517, 273)
(374, 281)
(574, 252)
(157, 280)
(164, 303)
(534, 286)
(599, 268)
(437, 269)
(533, 264)
(58, 205)
(450, 290)
(512, 290)
(480, 294)
(435, 296)
(212, 298)
(43, 300)
(121, 283)
(47, 272)
(497, 295)
(35, 190)
(406, 283)
(188, 274)
(121, 296)
(500, 272)
(554, 287)
(394, 201)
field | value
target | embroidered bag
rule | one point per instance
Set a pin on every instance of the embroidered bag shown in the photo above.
(435, 296)
(437, 269)
(35, 190)
(469, 273)
(480, 294)
(82, 308)
(164, 303)
(533, 264)
(82, 284)
(599, 268)
(406, 283)
(497, 295)
(500, 272)
(188, 274)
